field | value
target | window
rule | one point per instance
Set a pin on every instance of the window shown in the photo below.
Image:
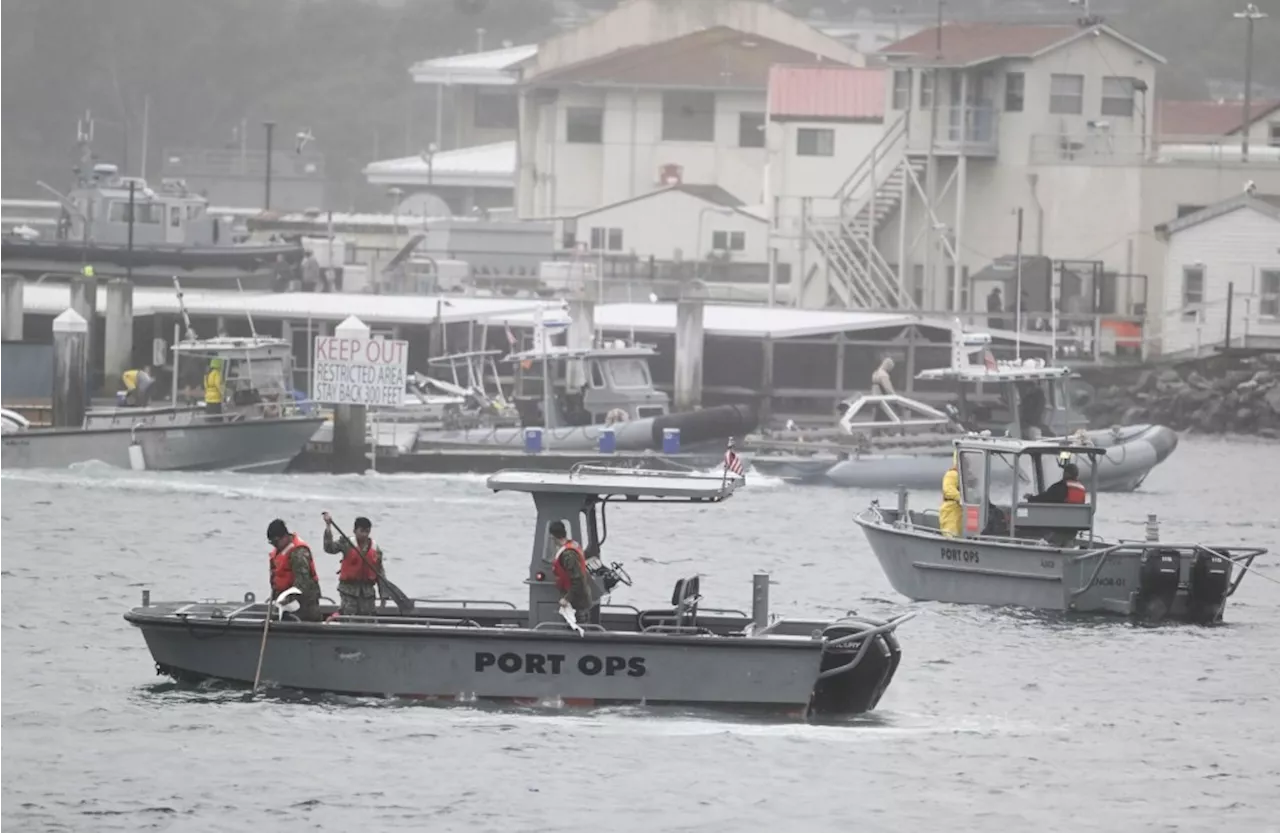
(1269, 304)
(630, 373)
(495, 109)
(1192, 291)
(597, 375)
(584, 125)
(1015, 84)
(175, 216)
(688, 116)
(1066, 94)
(732, 241)
(1117, 96)
(901, 89)
(751, 130)
(815, 141)
(926, 90)
(143, 212)
(606, 239)
(1273, 135)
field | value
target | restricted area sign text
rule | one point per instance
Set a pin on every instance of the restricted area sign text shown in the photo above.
(359, 371)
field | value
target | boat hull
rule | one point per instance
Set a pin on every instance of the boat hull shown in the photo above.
(1192, 586)
(1131, 455)
(466, 659)
(255, 446)
(152, 265)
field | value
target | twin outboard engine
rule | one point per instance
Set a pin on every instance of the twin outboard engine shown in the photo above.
(1210, 586)
(1159, 573)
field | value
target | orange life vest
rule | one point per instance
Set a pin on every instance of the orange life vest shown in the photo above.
(563, 580)
(1076, 492)
(282, 570)
(354, 567)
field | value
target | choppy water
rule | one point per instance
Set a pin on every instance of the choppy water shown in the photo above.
(997, 720)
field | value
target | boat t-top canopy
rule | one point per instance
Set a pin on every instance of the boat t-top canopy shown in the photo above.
(632, 484)
(567, 353)
(1012, 445)
(228, 345)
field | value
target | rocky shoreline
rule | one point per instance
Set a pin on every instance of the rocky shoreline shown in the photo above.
(1220, 395)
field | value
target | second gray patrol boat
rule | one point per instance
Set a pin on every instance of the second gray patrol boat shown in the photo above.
(1022, 553)
(678, 654)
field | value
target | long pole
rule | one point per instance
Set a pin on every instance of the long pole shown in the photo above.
(266, 201)
(1017, 337)
(1249, 15)
(146, 128)
(128, 265)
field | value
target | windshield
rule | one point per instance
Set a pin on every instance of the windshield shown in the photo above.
(629, 373)
(1010, 477)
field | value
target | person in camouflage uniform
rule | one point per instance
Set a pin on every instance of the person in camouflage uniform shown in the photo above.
(291, 565)
(361, 570)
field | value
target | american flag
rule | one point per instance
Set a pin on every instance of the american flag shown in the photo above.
(989, 360)
(511, 337)
(732, 462)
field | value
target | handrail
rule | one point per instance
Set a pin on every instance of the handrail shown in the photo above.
(880, 150)
(465, 602)
(557, 625)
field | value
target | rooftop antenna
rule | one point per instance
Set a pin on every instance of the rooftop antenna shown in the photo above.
(182, 308)
(247, 312)
(1088, 19)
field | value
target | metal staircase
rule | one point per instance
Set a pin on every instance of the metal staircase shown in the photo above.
(859, 274)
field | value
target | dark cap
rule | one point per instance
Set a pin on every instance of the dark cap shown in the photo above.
(556, 530)
(1071, 471)
(363, 523)
(276, 529)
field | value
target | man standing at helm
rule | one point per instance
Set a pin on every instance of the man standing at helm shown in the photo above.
(570, 568)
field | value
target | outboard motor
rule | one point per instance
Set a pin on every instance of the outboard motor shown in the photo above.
(1210, 584)
(858, 688)
(1158, 574)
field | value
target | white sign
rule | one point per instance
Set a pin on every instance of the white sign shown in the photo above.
(359, 371)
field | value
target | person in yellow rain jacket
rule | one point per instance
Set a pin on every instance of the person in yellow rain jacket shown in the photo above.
(950, 517)
(213, 388)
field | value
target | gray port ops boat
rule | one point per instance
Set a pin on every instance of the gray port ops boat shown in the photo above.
(681, 654)
(1016, 550)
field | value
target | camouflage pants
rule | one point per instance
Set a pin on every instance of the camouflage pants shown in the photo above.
(358, 598)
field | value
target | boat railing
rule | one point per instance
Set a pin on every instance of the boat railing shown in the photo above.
(689, 630)
(564, 626)
(867, 637)
(1242, 557)
(463, 602)
(384, 621)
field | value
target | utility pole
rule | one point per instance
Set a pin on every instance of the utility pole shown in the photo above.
(1249, 15)
(266, 201)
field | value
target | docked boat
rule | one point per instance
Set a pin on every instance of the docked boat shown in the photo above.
(123, 227)
(261, 428)
(679, 654)
(1016, 549)
(570, 404)
(887, 440)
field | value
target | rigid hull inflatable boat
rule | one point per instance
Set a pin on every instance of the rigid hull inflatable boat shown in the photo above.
(682, 654)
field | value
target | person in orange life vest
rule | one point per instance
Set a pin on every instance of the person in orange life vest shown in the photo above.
(1067, 490)
(570, 568)
(292, 566)
(360, 570)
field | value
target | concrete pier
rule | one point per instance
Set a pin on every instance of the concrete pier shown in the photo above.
(350, 421)
(582, 330)
(70, 369)
(11, 327)
(688, 368)
(117, 350)
(84, 300)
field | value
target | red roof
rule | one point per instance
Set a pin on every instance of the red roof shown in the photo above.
(827, 92)
(964, 44)
(1207, 118)
(715, 57)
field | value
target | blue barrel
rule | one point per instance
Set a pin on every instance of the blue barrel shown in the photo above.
(533, 440)
(608, 441)
(670, 440)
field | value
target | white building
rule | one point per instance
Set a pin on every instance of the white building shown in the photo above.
(1055, 120)
(1235, 242)
(655, 92)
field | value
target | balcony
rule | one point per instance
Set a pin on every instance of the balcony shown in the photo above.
(1101, 147)
(969, 130)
